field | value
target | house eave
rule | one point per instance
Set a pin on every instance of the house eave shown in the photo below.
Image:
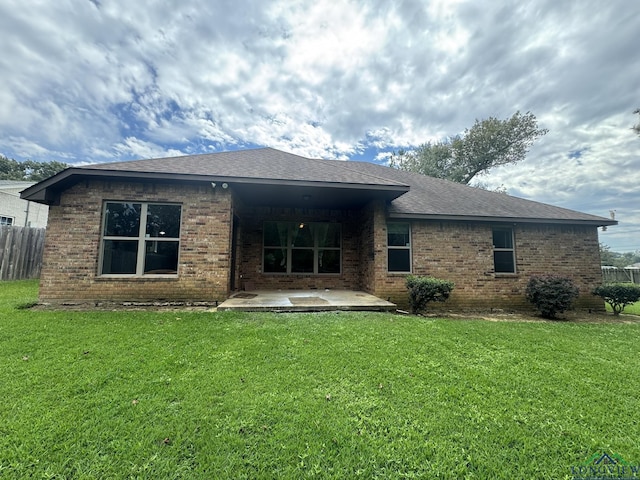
(45, 191)
(596, 222)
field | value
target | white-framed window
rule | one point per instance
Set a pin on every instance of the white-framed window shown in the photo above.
(399, 248)
(140, 238)
(302, 247)
(6, 220)
(504, 255)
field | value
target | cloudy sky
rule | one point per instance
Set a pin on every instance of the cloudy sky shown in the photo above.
(87, 81)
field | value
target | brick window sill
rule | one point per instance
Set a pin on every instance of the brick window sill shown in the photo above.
(146, 278)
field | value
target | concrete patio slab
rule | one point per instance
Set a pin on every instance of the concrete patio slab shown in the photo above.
(304, 301)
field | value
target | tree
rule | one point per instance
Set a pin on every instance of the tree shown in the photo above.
(29, 170)
(616, 259)
(37, 171)
(607, 257)
(487, 144)
(618, 295)
(10, 169)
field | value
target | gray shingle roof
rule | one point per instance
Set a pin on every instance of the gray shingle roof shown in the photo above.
(433, 197)
(257, 164)
(411, 195)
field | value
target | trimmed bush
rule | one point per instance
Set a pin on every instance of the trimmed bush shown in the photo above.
(618, 295)
(423, 290)
(551, 294)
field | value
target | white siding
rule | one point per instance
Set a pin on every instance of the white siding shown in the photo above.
(24, 214)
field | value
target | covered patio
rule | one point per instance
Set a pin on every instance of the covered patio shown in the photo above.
(304, 301)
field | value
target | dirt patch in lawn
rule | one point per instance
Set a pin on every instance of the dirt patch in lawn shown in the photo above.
(572, 317)
(492, 315)
(132, 306)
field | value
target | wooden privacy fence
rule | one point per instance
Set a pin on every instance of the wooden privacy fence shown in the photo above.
(620, 275)
(20, 252)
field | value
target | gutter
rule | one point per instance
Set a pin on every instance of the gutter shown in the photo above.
(596, 222)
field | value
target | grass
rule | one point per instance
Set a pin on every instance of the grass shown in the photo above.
(633, 309)
(333, 395)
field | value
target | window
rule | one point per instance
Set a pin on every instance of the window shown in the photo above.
(399, 248)
(6, 220)
(504, 258)
(312, 248)
(140, 239)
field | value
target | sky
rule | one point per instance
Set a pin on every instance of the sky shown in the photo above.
(91, 81)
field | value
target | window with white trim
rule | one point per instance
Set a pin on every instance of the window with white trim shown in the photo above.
(140, 238)
(504, 256)
(6, 220)
(302, 247)
(399, 247)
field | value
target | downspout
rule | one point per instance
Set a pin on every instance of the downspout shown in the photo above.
(26, 217)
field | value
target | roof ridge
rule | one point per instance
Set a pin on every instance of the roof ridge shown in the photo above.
(177, 157)
(337, 163)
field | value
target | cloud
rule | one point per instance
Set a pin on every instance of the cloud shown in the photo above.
(113, 80)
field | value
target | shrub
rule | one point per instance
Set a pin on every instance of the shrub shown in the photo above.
(618, 295)
(423, 290)
(551, 294)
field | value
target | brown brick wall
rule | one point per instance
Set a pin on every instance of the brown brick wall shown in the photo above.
(463, 253)
(368, 246)
(377, 279)
(70, 263)
(457, 251)
(251, 250)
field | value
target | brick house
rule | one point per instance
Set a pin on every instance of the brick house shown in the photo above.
(197, 228)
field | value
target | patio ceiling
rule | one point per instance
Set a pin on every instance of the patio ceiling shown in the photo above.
(310, 196)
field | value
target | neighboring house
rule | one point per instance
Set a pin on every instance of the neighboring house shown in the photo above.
(18, 212)
(200, 227)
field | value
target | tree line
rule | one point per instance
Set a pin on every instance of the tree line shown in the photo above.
(616, 259)
(29, 170)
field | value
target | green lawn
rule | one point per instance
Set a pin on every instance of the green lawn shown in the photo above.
(633, 309)
(333, 395)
